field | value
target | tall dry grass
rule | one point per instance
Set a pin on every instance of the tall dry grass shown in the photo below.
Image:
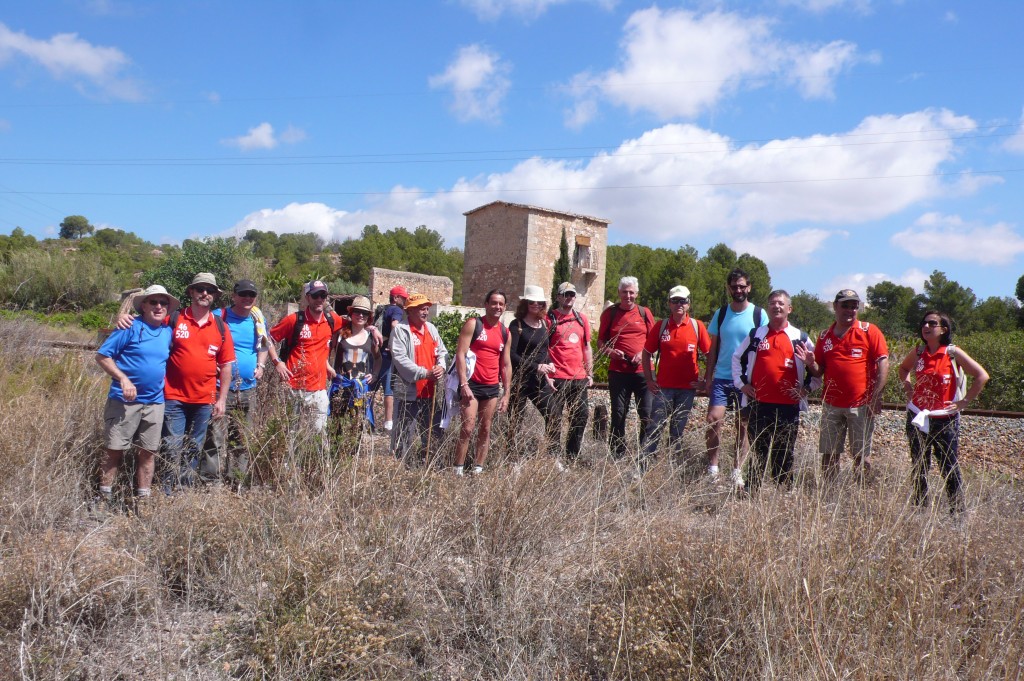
(348, 565)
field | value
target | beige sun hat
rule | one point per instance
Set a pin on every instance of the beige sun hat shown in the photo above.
(155, 290)
(360, 303)
(205, 278)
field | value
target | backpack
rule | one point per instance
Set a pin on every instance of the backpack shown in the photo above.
(615, 312)
(173, 322)
(479, 329)
(255, 325)
(664, 327)
(958, 371)
(300, 322)
(720, 316)
(552, 322)
(752, 345)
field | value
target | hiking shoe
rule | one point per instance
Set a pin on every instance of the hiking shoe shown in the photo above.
(477, 470)
(712, 475)
(737, 479)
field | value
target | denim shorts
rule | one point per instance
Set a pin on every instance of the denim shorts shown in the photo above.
(724, 394)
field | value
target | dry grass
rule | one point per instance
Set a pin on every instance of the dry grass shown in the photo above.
(346, 565)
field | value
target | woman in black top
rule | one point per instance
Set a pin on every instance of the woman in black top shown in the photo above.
(531, 365)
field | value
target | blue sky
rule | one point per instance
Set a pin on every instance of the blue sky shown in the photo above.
(842, 141)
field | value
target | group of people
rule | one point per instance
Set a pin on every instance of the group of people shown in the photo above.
(175, 371)
(764, 368)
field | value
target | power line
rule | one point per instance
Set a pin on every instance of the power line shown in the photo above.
(409, 157)
(688, 185)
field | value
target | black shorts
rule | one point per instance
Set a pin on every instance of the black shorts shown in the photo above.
(484, 392)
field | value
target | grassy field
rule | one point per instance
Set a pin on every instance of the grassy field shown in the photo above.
(346, 565)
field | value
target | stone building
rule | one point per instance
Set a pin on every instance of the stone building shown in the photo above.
(510, 245)
(438, 289)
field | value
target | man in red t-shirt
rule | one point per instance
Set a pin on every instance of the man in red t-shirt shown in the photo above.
(773, 370)
(201, 354)
(855, 360)
(621, 336)
(676, 341)
(308, 367)
(570, 352)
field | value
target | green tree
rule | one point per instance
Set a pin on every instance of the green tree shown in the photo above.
(562, 271)
(178, 266)
(75, 227)
(810, 313)
(760, 279)
(950, 297)
(891, 307)
(996, 314)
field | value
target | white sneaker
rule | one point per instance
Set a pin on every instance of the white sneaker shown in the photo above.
(477, 470)
(459, 471)
(737, 478)
(713, 473)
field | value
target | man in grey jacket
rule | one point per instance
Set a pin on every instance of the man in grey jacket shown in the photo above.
(419, 359)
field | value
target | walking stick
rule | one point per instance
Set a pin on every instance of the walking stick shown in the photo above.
(430, 427)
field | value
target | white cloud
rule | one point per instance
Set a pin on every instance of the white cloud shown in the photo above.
(262, 137)
(92, 69)
(489, 10)
(678, 63)
(783, 250)
(1015, 142)
(860, 281)
(478, 80)
(321, 219)
(934, 235)
(681, 183)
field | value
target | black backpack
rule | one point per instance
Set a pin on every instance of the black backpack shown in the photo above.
(480, 329)
(720, 316)
(300, 322)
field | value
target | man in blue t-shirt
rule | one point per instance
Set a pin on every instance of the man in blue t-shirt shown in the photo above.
(389, 319)
(729, 327)
(224, 454)
(136, 360)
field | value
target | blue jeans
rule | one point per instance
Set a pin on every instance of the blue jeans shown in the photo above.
(183, 437)
(672, 409)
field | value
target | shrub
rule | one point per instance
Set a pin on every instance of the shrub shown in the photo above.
(39, 280)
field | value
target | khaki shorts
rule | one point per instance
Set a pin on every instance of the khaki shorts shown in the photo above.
(839, 424)
(127, 423)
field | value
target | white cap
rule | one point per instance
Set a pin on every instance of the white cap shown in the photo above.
(679, 292)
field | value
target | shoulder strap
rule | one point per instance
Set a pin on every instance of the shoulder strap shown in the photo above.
(173, 323)
(330, 319)
(718, 336)
(220, 327)
(744, 357)
(477, 330)
(289, 344)
(757, 316)
(645, 314)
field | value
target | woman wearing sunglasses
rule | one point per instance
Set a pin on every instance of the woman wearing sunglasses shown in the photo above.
(937, 394)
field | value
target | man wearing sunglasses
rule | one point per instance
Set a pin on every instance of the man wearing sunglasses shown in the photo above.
(202, 353)
(676, 341)
(136, 360)
(223, 454)
(308, 365)
(570, 352)
(853, 357)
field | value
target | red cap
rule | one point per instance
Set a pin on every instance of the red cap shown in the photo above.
(399, 291)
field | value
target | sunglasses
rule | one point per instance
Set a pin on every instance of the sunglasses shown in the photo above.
(739, 287)
(205, 289)
(319, 295)
(246, 294)
(537, 302)
(159, 302)
(850, 305)
(361, 313)
(568, 294)
(679, 301)
(931, 324)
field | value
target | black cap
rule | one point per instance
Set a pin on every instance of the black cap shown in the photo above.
(245, 286)
(846, 294)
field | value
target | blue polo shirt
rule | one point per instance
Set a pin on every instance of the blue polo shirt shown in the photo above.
(243, 332)
(141, 352)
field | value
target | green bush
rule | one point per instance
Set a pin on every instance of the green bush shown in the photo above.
(449, 324)
(39, 280)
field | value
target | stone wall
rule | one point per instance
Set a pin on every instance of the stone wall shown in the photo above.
(438, 289)
(511, 245)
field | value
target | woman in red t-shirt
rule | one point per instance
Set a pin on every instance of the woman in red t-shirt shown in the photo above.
(933, 412)
(479, 391)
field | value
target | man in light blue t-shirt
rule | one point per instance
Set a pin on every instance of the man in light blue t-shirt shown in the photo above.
(224, 454)
(729, 326)
(136, 360)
